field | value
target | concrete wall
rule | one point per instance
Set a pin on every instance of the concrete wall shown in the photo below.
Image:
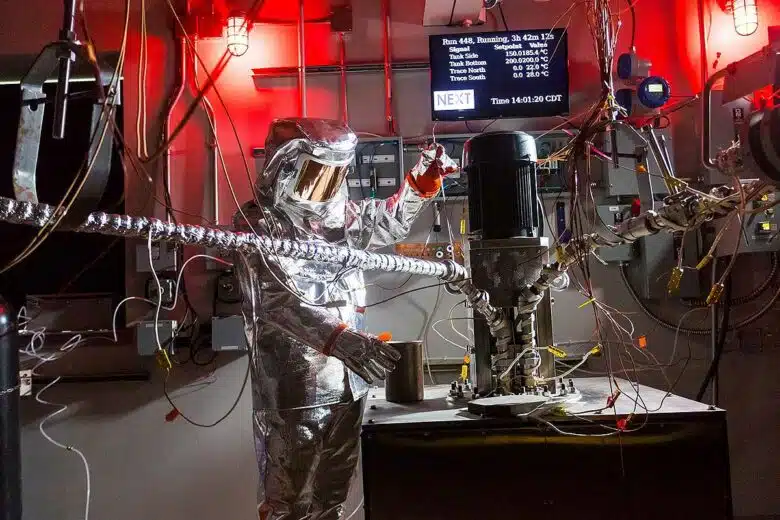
(143, 467)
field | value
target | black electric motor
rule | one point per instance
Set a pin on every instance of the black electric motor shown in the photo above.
(501, 168)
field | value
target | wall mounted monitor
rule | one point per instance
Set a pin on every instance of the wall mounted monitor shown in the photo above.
(496, 75)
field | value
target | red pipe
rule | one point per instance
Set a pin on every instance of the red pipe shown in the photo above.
(388, 67)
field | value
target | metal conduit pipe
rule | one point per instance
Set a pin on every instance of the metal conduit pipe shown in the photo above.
(302, 58)
(209, 110)
(181, 54)
(343, 70)
(706, 120)
(387, 67)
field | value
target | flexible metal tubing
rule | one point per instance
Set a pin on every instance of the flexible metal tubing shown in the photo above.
(129, 226)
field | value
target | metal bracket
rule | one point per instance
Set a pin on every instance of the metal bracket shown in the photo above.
(31, 122)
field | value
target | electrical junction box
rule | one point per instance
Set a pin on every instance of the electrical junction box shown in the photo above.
(168, 293)
(612, 215)
(145, 339)
(622, 181)
(757, 234)
(228, 334)
(378, 168)
(163, 257)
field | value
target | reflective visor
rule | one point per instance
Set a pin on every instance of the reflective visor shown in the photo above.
(319, 182)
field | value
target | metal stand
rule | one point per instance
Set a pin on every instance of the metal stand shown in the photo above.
(10, 452)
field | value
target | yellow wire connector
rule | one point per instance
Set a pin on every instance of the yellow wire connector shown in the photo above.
(704, 262)
(163, 360)
(715, 293)
(555, 351)
(595, 350)
(674, 280)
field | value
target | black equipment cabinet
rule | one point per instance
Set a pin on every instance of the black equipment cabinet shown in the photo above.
(435, 460)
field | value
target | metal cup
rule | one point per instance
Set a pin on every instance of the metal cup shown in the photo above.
(405, 383)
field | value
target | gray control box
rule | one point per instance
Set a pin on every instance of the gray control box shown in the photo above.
(622, 180)
(227, 334)
(145, 339)
(163, 257)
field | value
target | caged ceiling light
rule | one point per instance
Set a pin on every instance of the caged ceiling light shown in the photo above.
(745, 14)
(237, 34)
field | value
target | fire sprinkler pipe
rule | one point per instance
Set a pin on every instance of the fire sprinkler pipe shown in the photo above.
(388, 67)
(343, 70)
(212, 123)
(301, 58)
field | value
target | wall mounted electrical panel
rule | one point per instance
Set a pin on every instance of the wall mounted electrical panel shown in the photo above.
(757, 234)
(378, 168)
(551, 174)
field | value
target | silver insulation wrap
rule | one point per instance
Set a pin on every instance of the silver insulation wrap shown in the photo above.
(303, 305)
(37, 215)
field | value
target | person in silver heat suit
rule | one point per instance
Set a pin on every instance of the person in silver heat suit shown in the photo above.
(311, 365)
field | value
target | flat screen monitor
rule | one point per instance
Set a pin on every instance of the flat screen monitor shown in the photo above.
(499, 75)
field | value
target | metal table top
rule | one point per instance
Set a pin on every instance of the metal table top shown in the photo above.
(443, 411)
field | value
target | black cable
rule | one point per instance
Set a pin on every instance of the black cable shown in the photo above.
(226, 415)
(633, 23)
(755, 293)
(405, 293)
(699, 332)
(721, 342)
(197, 345)
(503, 18)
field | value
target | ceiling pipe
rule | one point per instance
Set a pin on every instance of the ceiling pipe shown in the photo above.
(302, 58)
(387, 51)
(343, 71)
(213, 142)
(181, 81)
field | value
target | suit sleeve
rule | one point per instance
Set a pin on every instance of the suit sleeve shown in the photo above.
(375, 223)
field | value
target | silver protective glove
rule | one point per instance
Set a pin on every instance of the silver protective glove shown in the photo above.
(366, 355)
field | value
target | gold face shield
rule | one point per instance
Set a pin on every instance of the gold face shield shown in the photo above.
(318, 181)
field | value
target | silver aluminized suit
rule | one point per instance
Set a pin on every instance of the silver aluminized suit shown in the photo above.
(307, 404)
